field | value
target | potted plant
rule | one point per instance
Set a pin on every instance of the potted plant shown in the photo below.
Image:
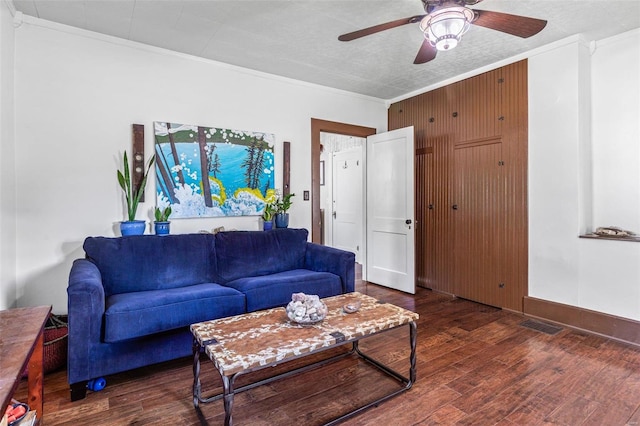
(282, 207)
(162, 220)
(132, 226)
(267, 216)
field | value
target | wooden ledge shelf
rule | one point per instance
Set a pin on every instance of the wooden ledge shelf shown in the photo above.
(635, 239)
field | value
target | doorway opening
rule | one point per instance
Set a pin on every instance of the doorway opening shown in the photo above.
(342, 199)
(318, 127)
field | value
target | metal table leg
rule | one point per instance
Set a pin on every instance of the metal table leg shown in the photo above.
(407, 381)
(227, 385)
(196, 373)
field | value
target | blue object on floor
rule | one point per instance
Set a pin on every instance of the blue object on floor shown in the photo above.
(97, 384)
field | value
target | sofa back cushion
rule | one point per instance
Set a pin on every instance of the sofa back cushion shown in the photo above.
(256, 253)
(152, 262)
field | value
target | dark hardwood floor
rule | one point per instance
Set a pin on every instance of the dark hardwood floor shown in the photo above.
(476, 365)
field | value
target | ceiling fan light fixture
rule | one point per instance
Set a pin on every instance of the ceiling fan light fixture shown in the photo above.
(444, 27)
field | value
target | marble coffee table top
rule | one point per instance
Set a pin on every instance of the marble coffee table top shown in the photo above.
(254, 340)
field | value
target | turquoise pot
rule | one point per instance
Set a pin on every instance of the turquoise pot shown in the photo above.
(162, 228)
(132, 227)
(282, 220)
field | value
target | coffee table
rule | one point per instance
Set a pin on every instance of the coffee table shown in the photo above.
(249, 342)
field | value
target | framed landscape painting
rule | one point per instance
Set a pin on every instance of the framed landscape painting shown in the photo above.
(211, 172)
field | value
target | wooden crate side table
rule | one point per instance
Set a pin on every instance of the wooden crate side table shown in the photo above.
(22, 345)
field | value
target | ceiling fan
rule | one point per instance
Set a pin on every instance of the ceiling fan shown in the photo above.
(447, 20)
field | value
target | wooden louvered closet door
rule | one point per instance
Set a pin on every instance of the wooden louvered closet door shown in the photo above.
(478, 216)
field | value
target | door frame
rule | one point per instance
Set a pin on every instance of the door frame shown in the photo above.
(318, 126)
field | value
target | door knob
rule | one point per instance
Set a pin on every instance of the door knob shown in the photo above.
(430, 206)
(455, 207)
(408, 221)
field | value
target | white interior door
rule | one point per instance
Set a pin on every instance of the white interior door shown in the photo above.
(347, 201)
(390, 204)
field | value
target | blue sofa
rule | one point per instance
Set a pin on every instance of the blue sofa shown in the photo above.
(131, 299)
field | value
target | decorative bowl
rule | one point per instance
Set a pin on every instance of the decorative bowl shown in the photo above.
(306, 309)
(17, 420)
(352, 307)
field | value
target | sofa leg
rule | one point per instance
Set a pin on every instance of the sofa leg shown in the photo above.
(78, 391)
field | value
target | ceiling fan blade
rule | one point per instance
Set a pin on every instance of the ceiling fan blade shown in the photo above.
(516, 25)
(381, 27)
(426, 53)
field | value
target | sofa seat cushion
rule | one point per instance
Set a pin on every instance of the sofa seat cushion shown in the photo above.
(269, 291)
(130, 315)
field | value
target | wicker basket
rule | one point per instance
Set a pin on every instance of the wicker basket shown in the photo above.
(56, 332)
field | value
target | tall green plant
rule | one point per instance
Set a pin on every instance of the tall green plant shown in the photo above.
(132, 196)
(284, 204)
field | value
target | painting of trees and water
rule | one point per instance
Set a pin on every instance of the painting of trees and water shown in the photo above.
(211, 172)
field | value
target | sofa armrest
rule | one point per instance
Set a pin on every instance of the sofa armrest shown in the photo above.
(86, 307)
(321, 258)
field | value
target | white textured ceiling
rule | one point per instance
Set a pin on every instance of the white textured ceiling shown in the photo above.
(299, 38)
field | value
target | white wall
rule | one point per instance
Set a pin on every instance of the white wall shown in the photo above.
(77, 94)
(7, 169)
(616, 131)
(584, 173)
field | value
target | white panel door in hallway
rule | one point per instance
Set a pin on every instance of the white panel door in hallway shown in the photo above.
(348, 199)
